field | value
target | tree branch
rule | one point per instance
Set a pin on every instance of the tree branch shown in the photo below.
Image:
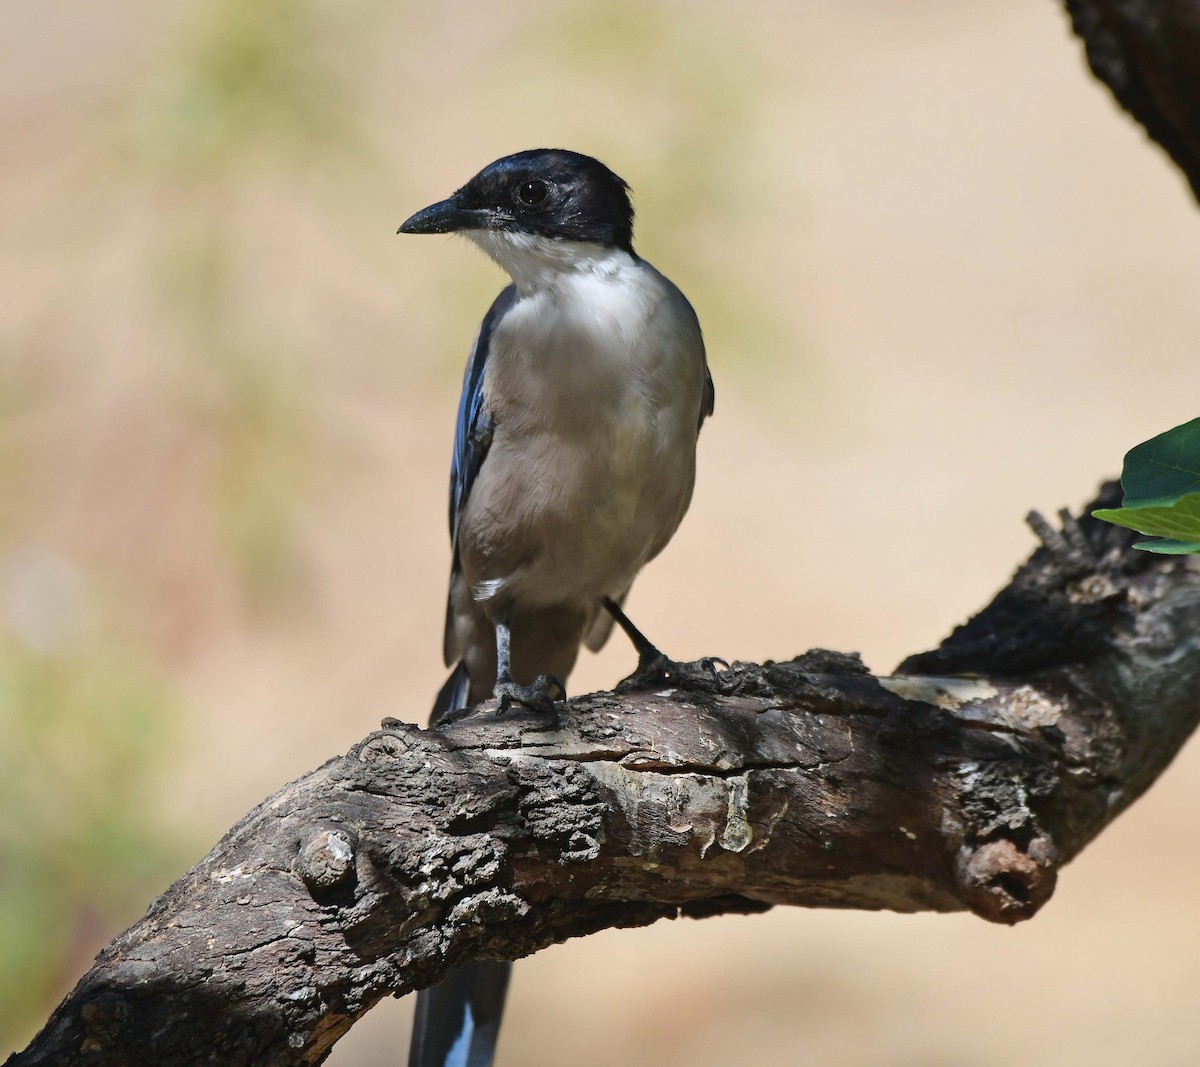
(962, 783)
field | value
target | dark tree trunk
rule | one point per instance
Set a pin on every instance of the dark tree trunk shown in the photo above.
(1148, 53)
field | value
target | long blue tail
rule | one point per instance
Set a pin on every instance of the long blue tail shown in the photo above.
(453, 694)
(457, 1021)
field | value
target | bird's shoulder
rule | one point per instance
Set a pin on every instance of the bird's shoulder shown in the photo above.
(679, 307)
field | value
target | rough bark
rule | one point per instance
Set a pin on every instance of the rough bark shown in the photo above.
(963, 782)
(1148, 53)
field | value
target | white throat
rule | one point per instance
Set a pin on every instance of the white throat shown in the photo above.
(535, 263)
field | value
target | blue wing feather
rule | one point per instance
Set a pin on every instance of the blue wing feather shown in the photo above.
(473, 432)
(472, 438)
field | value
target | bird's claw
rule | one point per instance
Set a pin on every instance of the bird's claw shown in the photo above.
(539, 697)
(552, 684)
(658, 668)
(655, 665)
(653, 669)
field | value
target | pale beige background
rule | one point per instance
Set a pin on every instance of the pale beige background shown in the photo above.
(943, 281)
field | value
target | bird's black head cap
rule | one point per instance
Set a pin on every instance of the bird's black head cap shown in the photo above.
(548, 192)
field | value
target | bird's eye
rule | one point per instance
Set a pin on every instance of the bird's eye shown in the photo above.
(533, 192)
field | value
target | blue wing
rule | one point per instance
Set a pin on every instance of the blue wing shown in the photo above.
(473, 433)
(472, 438)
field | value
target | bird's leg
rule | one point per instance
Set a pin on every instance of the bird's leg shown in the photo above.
(540, 696)
(649, 657)
(652, 663)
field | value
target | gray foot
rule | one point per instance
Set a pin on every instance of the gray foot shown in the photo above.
(539, 697)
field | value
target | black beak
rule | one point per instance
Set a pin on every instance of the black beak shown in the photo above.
(447, 216)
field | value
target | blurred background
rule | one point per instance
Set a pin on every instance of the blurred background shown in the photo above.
(942, 279)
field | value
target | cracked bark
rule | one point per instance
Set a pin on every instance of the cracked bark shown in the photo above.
(963, 782)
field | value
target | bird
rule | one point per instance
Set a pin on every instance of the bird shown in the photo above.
(574, 462)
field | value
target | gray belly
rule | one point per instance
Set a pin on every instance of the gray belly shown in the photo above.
(564, 517)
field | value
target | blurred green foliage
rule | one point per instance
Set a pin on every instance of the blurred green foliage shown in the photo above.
(87, 706)
(253, 400)
(253, 84)
(711, 85)
(264, 424)
(84, 726)
(255, 89)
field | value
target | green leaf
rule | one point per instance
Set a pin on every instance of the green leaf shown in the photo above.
(1163, 469)
(1167, 547)
(1161, 479)
(1180, 520)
